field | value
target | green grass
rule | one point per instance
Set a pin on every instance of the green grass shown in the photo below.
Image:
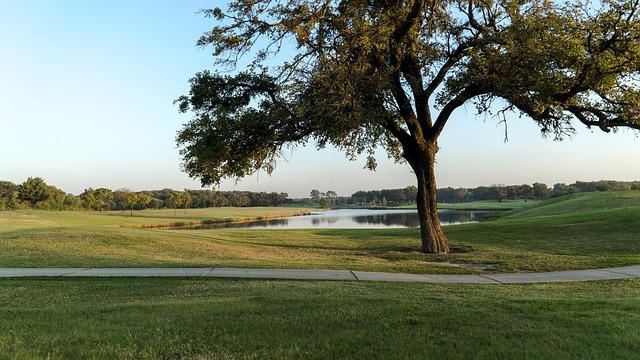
(487, 205)
(575, 232)
(259, 319)
(176, 318)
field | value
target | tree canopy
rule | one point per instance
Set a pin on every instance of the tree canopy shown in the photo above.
(33, 191)
(364, 74)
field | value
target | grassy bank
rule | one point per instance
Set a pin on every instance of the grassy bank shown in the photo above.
(258, 319)
(575, 232)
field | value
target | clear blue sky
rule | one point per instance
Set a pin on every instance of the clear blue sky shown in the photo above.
(86, 92)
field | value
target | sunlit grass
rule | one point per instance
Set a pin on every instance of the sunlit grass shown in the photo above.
(260, 319)
(166, 318)
(566, 233)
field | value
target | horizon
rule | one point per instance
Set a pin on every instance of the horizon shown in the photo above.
(550, 186)
(88, 94)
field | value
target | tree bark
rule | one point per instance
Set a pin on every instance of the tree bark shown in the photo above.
(423, 164)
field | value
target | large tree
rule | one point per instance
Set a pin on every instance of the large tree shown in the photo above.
(362, 74)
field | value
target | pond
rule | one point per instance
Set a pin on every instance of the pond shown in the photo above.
(350, 219)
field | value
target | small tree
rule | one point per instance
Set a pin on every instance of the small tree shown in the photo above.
(132, 200)
(176, 200)
(33, 191)
(186, 200)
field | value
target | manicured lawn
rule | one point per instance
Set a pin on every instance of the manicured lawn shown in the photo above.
(174, 318)
(260, 319)
(576, 232)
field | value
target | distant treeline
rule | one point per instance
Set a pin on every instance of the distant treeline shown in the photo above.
(498, 192)
(36, 194)
(536, 191)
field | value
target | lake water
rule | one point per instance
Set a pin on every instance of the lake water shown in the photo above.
(351, 219)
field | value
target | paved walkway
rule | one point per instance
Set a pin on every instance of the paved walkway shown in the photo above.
(573, 275)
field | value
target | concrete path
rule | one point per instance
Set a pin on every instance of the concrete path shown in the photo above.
(519, 278)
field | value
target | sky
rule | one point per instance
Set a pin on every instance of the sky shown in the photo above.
(86, 100)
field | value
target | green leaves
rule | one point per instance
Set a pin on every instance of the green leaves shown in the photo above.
(241, 124)
(368, 74)
(33, 191)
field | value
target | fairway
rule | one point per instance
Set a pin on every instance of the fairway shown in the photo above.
(582, 231)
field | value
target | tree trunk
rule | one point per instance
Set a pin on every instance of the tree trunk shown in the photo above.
(433, 239)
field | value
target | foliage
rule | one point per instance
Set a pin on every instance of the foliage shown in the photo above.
(391, 74)
(33, 191)
(103, 196)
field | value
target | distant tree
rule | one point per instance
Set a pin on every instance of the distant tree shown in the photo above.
(72, 202)
(132, 200)
(315, 195)
(560, 189)
(186, 200)
(88, 197)
(176, 199)
(143, 201)
(462, 194)
(103, 196)
(33, 191)
(332, 196)
(540, 191)
(7, 191)
(499, 192)
(56, 200)
(120, 198)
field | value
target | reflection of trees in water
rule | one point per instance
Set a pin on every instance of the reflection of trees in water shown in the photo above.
(382, 219)
(388, 219)
(283, 222)
(412, 220)
(458, 217)
(318, 220)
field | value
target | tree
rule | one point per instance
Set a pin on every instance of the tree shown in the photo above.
(186, 200)
(120, 198)
(103, 196)
(33, 191)
(332, 196)
(176, 201)
(315, 195)
(88, 196)
(377, 73)
(132, 200)
(540, 191)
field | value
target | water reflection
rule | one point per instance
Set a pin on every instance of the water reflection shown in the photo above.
(350, 219)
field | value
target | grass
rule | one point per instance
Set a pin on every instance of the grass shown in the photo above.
(177, 318)
(486, 205)
(576, 232)
(258, 319)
